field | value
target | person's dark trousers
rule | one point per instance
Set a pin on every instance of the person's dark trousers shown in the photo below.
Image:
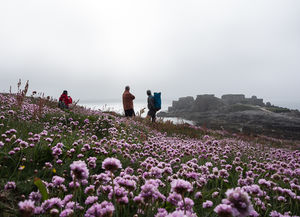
(152, 114)
(129, 113)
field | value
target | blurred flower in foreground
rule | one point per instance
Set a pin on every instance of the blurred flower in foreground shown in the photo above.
(111, 164)
(105, 209)
(236, 204)
(26, 208)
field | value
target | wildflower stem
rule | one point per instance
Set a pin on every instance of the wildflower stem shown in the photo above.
(113, 188)
(17, 166)
(74, 193)
(183, 203)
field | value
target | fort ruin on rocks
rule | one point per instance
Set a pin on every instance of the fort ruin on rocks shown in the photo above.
(207, 102)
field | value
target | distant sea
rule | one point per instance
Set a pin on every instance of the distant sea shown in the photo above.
(287, 104)
(138, 106)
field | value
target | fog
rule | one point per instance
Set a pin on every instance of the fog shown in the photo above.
(181, 48)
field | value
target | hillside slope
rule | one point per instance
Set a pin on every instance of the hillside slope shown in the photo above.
(89, 163)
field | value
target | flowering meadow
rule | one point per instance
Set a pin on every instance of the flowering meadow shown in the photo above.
(93, 164)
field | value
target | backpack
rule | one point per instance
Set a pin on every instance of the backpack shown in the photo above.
(157, 101)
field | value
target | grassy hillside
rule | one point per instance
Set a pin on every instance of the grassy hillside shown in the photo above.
(89, 163)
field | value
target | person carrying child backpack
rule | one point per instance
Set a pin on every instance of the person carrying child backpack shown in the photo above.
(154, 104)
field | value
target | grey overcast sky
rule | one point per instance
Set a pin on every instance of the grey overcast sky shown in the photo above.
(180, 47)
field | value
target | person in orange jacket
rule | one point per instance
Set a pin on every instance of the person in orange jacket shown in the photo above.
(128, 102)
(64, 100)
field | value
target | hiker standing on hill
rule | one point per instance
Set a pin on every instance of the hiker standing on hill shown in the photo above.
(151, 106)
(128, 102)
(64, 100)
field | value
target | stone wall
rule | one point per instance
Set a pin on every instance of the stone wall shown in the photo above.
(255, 101)
(233, 98)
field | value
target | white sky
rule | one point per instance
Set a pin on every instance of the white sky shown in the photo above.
(187, 47)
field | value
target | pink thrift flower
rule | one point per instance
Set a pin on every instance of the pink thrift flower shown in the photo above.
(181, 186)
(66, 213)
(100, 210)
(27, 208)
(111, 164)
(207, 204)
(10, 186)
(79, 170)
(224, 210)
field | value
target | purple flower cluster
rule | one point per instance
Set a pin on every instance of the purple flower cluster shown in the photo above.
(27, 208)
(111, 164)
(79, 170)
(57, 180)
(237, 203)
(10, 186)
(67, 213)
(52, 203)
(207, 204)
(149, 192)
(181, 186)
(91, 200)
(92, 162)
(35, 196)
(105, 209)
(180, 213)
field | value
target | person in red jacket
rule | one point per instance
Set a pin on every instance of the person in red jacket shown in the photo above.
(64, 100)
(128, 102)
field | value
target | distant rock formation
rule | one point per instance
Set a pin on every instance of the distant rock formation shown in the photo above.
(208, 102)
(240, 98)
(236, 113)
(183, 103)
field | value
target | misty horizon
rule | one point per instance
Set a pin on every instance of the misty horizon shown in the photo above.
(94, 49)
(291, 104)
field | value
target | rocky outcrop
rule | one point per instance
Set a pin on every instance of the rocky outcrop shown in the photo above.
(237, 113)
(204, 103)
(231, 99)
(208, 102)
(183, 104)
